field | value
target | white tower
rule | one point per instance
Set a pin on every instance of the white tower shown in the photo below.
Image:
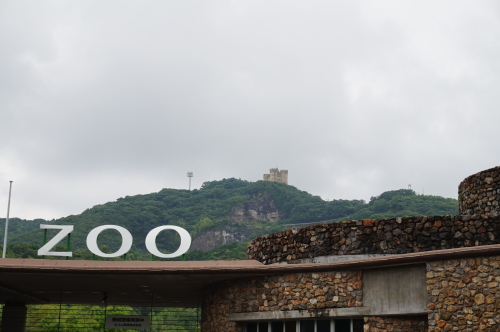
(190, 175)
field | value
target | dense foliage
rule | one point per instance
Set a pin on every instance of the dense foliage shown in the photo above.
(405, 203)
(92, 318)
(20, 226)
(232, 251)
(196, 211)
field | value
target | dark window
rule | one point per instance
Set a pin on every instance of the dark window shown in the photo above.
(251, 327)
(291, 326)
(306, 326)
(357, 325)
(263, 327)
(342, 325)
(276, 326)
(322, 325)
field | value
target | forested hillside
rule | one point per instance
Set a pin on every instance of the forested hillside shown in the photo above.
(197, 211)
(405, 203)
(213, 207)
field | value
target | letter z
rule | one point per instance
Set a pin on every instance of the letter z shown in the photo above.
(45, 250)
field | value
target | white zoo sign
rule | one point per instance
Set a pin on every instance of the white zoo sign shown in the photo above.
(126, 241)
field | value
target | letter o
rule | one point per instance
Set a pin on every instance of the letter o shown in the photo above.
(183, 247)
(92, 241)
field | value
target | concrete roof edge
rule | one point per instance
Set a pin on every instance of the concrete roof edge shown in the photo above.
(248, 267)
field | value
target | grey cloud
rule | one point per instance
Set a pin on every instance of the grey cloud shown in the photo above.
(102, 100)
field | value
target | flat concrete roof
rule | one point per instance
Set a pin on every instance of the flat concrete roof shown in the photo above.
(164, 283)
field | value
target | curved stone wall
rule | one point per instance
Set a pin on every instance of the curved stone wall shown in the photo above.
(480, 193)
(383, 236)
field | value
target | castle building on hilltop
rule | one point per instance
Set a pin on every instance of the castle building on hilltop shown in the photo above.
(275, 175)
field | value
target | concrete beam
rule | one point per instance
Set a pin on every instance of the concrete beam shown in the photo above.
(22, 292)
(299, 314)
(305, 314)
(395, 291)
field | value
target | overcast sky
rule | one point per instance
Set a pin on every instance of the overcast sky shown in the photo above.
(103, 99)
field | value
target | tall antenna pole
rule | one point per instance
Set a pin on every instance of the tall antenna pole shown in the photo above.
(190, 175)
(6, 224)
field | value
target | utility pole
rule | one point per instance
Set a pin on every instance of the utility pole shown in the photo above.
(6, 224)
(190, 175)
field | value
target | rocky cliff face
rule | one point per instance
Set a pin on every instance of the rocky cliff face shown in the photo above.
(213, 239)
(263, 209)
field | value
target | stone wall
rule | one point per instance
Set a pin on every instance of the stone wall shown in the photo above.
(464, 294)
(215, 310)
(298, 291)
(480, 193)
(383, 236)
(396, 324)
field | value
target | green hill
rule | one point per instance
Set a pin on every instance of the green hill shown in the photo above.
(197, 211)
(405, 203)
(20, 226)
(212, 208)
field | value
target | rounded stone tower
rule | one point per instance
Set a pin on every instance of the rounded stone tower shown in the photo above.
(480, 193)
